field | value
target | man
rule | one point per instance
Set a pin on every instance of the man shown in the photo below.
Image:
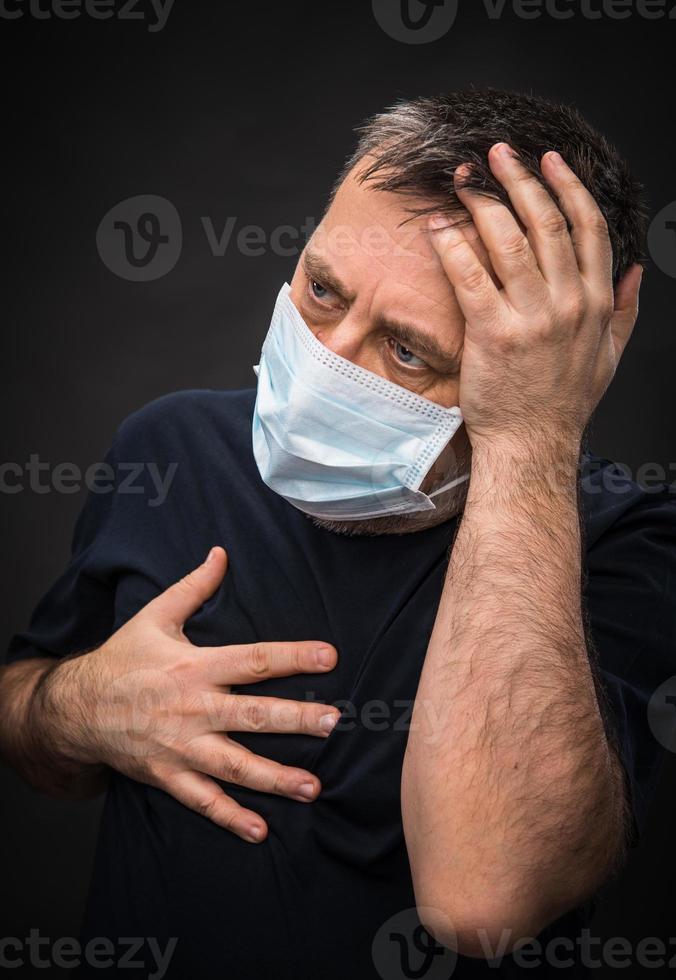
(393, 726)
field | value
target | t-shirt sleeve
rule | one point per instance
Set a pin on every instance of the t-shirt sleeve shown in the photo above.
(630, 599)
(77, 612)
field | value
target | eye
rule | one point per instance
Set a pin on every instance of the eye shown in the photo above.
(321, 299)
(405, 356)
(318, 291)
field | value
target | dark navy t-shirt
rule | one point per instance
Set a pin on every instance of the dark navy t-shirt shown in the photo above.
(310, 901)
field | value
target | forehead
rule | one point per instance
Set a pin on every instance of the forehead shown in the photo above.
(371, 241)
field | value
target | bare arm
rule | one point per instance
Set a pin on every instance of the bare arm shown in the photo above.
(525, 813)
(513, 800)
(36, 722)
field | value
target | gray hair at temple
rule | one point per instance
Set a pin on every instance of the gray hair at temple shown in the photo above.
(414, 148)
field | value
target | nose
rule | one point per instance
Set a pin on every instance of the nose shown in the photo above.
(345, 338)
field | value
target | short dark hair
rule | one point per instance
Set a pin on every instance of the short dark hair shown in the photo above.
(415, 147)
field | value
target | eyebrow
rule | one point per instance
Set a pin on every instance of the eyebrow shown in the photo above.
(316, 268)
(406, 334)
(421, 343)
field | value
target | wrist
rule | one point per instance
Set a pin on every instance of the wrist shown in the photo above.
(541, 468)
(60, 715)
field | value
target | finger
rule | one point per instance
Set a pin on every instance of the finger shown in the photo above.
(589, 229)
(507, 244)
(182, 600)
(626, 308)
(246, 713)
(201, 794)
(481, 252)
(545, 224)
(475, 291)
(227, 760)
(253, 662)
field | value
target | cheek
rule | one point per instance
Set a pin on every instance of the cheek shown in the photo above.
(444, 392)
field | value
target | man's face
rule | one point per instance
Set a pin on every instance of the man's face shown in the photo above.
(372, 289)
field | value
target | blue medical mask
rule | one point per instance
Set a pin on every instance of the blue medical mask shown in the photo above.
(339, 442)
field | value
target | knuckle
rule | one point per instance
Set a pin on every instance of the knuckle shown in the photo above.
(237, 768)
(194, 704)
(298, 657)
(571, 183)
(260, 660)
(511, 338)
(208, 806)
(183, 666)
(575, 306)
(515, 245)
(606, 307)
(596, 223)
(253, 715)
(474, 279)
(553, 222)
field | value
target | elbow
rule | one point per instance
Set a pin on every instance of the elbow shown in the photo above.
(481, 929)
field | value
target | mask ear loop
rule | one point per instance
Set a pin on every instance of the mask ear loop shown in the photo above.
(449, 485)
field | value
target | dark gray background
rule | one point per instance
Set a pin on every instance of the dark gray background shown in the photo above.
(247, 111)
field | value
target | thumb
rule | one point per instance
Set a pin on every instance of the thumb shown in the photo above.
(182, 600)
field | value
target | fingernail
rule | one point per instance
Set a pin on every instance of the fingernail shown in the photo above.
(555, 157)
(328, 722)
(324, 656)
(307, 791)
(210, 556)
(504, 149)
(255, 832)
(437, 221)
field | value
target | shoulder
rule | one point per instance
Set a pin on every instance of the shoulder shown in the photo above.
(188, 418)
(615, 505)
(630, 560)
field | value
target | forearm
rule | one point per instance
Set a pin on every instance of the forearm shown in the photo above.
(39, 721)
(512, 798)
